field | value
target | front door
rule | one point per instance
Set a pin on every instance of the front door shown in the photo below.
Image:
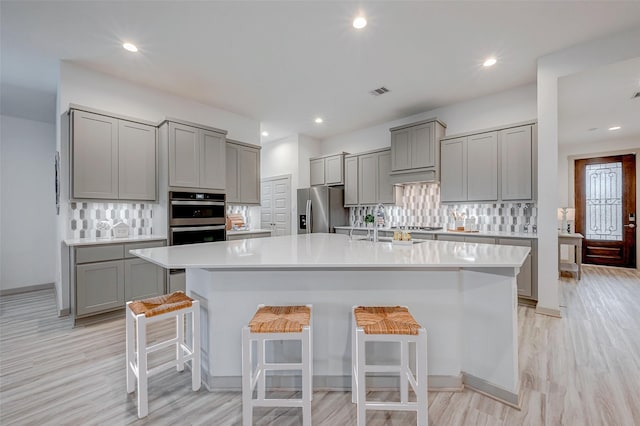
(605, 191)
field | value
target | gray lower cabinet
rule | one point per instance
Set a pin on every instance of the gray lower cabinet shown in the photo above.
(112, 158)
(243, 173)
(527, 278)
(256, 234)
(106, 276)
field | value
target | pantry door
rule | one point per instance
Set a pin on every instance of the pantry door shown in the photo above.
(605, 191)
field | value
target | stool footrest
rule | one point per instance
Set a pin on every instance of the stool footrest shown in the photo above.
(161, 345)
(404, 406)
(282, 366)
(277, 402)
(368, 368)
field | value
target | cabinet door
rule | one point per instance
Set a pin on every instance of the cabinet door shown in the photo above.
(142, 279)
(367, 178)
(249, 175)
(453, 170)
(99, 287)
(212, 160)
(178, 281)
(351, 181)
(317, 171)
(525, 277)
(456, 238)
(95, 156)
(516, 163)
(480, 240)
(184, 149)
(386, 193)
(333, 173)
(233, 173)
(423, 149)
(482, 167)
(136, 161)
(400, 150)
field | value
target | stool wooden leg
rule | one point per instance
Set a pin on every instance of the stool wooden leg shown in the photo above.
(247, 378)
(180, 342)
(196, 379)
(306, 377)
(143, 408)
(360, 385)
(130, 347)
(421, 379)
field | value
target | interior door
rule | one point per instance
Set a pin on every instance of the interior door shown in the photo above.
(275, 195)
(605, 189)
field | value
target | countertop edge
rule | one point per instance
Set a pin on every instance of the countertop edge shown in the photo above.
(73, 242)
(496, 234)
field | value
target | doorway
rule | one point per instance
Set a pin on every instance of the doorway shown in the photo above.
(275, 212)
(605, 200)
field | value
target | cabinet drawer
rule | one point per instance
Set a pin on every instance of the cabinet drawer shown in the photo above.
(511, 242)
(480, 240)
(135, 246)
(99, 253)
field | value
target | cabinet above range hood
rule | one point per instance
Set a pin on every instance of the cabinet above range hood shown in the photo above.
(415, 152)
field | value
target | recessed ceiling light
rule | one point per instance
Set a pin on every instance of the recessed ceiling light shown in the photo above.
(615, 128)
(359, 23)
(318, 120)
(265, 133)
(490, 62)
(130, 47)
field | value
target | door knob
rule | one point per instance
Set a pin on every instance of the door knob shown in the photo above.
(631, 225)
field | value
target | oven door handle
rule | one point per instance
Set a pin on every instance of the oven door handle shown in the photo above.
(197, 203)
(198, 228)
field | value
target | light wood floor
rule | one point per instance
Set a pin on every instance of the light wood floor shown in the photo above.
(583, 369)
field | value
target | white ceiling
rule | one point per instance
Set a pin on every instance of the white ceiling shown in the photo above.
(284, 63)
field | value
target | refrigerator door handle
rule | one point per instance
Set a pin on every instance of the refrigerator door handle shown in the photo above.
(309, 218)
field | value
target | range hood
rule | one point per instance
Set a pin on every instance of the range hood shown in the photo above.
(429, 175)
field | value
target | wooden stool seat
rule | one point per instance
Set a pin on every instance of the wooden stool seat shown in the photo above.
(386, 320)
(161, 304)
(280, 319)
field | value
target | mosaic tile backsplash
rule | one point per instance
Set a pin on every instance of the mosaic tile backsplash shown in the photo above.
(84, 218)
(420, 206)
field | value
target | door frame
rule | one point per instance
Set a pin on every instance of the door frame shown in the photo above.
(572, 177)
(292, 197)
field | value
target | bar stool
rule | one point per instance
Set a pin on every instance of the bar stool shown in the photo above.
(142, 312)
(389, 324)
(276, 323)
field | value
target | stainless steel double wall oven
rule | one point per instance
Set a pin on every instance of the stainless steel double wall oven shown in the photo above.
(196, 217)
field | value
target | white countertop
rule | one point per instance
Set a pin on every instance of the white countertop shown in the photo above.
(72, 242)
(248, 231)
(498, 234)
(332, 251)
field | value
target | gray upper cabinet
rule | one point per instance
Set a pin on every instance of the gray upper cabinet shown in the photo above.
(516, 146)
(327, 170)
(243, 173)
(351, 180)
(136, 161)
(482, 167)
(415, 152)
(386, 190)
(112, 158)
(367, 179)
(453, 170)
(197, 157)
(94, 156)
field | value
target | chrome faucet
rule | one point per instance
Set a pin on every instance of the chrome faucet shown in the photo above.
(379, 214)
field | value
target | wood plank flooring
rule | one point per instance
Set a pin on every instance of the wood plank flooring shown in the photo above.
(583, 369)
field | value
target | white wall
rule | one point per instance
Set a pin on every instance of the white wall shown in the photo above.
(27, 203)
(507, 107)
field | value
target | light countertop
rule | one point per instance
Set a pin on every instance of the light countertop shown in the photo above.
(72, 242)
(333, 251)
(497, 234)
(249, 231)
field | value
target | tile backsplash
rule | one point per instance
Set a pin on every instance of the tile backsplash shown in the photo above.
(84, 218)
(420, 205)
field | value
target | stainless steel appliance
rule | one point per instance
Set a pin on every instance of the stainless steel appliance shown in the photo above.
(194, 217)
(321, 208)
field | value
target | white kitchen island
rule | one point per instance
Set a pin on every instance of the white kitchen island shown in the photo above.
(464, 294)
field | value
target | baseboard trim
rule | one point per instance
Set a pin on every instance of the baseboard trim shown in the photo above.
(548, 311)
(331, 383)
(490, 390)
(64, 312)
(27, 289)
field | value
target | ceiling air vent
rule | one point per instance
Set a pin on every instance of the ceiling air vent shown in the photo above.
(636, 96)
(379, 91)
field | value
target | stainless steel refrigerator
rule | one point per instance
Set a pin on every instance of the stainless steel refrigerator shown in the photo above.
(320, 208)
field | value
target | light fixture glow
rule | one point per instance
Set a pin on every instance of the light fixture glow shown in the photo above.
(359, 23)
(318, 120)
(615, 128)
(489, 62)
(130, 47)
(265, 133)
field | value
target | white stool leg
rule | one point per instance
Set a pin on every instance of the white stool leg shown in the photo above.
(141, 332)
(130, 346)
(354, 364)
(180, 342)
(360, 385)
(196, 379)
(421, 379)
(404, 371)
(306, 377)
(247, 378)
(262, 380)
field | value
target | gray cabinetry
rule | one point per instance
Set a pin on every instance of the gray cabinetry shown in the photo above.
(385, 190)
(482, 167)
(516, 177)
(99, 287)
(453, 170)
(197, 156)
(243, 173)
(327, 170)
(112, 158)
(415, 151)
(142, 279)
(527, 278)
(367, 178)
(351, 180)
